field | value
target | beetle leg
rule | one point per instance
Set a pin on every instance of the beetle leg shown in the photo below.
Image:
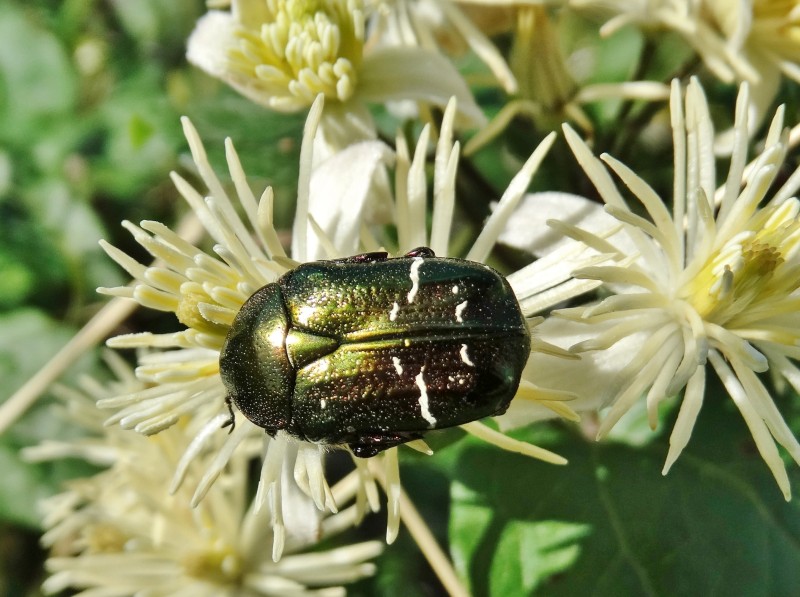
(370, 445)
(421, 252)
(231, 422)
(364, 258)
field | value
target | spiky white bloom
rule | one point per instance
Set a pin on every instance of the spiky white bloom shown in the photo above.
(756, 41)
(206, 292)
(763, 39)
(283, 53)
(716, 282)
(548, 92)
(120, 532)
(687, 18)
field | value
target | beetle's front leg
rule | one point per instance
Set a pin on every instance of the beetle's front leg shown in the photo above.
(231, 422)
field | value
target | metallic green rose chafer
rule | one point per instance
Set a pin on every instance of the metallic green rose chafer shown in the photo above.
(372, 352)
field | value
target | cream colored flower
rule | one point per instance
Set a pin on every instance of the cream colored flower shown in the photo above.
(120, 532)
(738, 40)
(687, 18)
(181, 370)
(715, 282)
(548, 92)
(283, 53)
(763, 40)
(442, 26)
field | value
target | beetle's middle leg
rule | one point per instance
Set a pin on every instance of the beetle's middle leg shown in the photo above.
(368, 446)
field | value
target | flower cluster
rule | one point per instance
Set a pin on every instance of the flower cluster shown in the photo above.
(121, 531)
(630, 294)
(714, 282)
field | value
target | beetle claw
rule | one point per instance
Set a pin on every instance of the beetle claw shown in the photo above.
(231, 422)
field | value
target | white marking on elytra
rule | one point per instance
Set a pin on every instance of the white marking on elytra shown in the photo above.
(465, 356)
(423, 399)
(323, 403)
(415, 265)
(397, 366)
(460, 311)
(393, 313)
(455, 289)
(305, 314)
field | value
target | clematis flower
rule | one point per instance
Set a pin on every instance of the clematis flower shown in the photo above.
(283, 53)
(181, 370)
(444, 27)
(548, 92)
(713, 285)
(763, 39)
(755, 41)
(119, 532)
(687, 18)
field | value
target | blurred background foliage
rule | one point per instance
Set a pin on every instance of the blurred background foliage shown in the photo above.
(91, 92)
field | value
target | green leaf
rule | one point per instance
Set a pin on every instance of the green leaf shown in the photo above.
(29, 261)
(137, 137)
(609, 524)
(154, 24)
(37, 82)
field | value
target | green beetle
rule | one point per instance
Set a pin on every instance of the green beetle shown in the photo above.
(372, 352)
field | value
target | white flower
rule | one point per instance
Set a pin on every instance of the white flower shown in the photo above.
(205, 292)
(763, 41)
(548, 92)
(121, 532)
(283, 53)
(688, 18)
(441, 26)
(717, 281)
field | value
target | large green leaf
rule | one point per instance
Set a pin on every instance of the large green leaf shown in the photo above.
(610, 524)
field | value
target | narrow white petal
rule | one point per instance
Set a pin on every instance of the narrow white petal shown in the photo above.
(761, 435)
(412, 73)
(684, 424)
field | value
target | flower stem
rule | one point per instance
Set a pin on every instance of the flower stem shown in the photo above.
(438, 560)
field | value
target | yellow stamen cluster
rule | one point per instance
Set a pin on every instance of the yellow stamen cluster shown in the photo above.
(750, 271)
(103, 537)
(220, 564)
(301, 49)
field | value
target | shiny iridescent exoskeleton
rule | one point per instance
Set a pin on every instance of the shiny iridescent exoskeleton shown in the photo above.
(373, 352)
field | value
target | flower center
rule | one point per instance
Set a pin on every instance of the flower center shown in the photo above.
(219, 564)
(304, 48)
(748, 272)
(104, 538)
